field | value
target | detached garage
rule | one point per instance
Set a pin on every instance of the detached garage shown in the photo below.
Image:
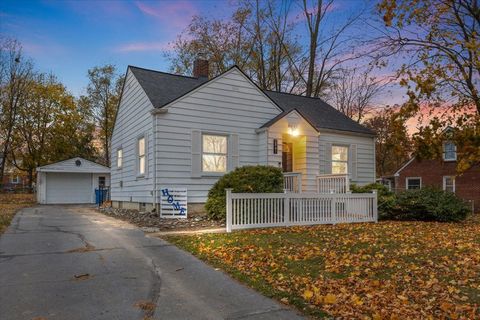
(71, 181)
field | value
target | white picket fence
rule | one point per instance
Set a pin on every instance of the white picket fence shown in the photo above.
(259, 210)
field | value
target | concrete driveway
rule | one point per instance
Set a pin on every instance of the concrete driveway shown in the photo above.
(67, 262)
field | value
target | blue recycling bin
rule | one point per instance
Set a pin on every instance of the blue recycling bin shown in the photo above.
(100, 196)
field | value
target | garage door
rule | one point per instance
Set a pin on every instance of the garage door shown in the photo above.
(69, 187)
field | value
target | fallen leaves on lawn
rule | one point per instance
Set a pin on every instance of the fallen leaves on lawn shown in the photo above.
(389, 270)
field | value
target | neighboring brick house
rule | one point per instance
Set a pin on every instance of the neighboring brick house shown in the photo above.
(441, 173)
(13, 179)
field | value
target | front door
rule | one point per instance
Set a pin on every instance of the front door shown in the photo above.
(287, 157)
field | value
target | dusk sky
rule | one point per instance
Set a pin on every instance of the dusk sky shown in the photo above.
(69, 37)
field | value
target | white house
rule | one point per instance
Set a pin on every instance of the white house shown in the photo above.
(186, 132)
(71, 181)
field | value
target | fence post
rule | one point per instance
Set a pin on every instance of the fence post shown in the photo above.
(333, 207)
(375, 205)
(229, 209)
(286, 209)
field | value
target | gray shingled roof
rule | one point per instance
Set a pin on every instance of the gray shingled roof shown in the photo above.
(162, 88)
(320, 114)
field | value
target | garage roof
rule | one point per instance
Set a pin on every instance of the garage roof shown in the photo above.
(74, 165)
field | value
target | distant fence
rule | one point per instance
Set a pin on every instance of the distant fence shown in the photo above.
(259, 210)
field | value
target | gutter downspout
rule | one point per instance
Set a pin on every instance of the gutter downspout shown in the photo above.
(155, 112)
(154, 141)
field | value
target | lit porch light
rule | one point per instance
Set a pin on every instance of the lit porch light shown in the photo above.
(293, 130)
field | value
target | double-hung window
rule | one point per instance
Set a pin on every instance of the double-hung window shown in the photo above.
(119, 158)
(449, 151)
(141, 156)
(339, 159)
(214, 153)
(449, 183)
(413, 183)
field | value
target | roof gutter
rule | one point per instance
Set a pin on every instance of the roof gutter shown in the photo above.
(364, 134)
(158, 111)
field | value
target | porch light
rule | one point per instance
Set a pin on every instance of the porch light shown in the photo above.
(292, 130)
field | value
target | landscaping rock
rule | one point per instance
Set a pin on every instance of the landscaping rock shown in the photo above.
(151, 221)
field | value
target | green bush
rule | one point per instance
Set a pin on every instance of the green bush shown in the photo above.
(250, 179)
(386, 198)
(429, 204)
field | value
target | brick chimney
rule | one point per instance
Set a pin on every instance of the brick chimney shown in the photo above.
(200, 68)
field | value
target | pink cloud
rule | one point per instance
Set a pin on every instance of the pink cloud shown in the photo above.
(145, 46)
(177, 13)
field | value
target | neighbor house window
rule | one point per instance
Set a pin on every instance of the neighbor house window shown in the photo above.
(339, 159)
(214, 153)
(414, 183)
(119, 158)
(15, 180)
(449, 183)
(449, 151)
(141, 155)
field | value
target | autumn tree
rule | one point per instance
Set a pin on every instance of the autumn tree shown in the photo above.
(103, 95)
(15, 74)
(353, 92)
(328, 48)
(256, 38)
(393, 145)
(441, 39)
(263, 38)
(49, 127)
(438, 40)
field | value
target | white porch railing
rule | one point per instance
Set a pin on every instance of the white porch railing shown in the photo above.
(333, 183)
(259, 210)
(292, 182)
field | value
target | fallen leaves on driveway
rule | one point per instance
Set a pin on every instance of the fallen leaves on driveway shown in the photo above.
(389, 270)
(87, 248)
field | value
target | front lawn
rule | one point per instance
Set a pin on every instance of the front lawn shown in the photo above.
(9, 205)
(388, 270)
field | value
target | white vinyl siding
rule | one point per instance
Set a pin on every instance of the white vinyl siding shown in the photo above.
(133, 118)
(361, 155)
(229, 105)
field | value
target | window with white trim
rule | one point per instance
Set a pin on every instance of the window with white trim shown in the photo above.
(413, 183)
(449, 151)
(119, 158)
(449, 183)
(339, 159)
(214, 153)
(15, 180)
(141, 155)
